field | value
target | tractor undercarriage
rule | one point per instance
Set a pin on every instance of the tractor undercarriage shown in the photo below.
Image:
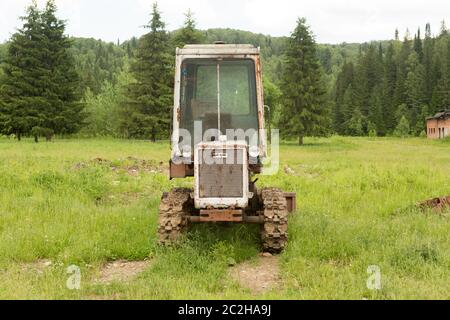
(270, 209)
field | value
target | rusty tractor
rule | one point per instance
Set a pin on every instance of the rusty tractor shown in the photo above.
(218, 137)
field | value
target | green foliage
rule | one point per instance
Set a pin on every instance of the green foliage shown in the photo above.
(305, 108)
(411, 73)
(40, 85)
(188, 34)
(105, 109)
(147, 111)
(355, 126)
(372, 129)
(403, 128)
(42, 132)
(98, 62)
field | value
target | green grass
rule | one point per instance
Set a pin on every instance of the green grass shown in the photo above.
(356, 208)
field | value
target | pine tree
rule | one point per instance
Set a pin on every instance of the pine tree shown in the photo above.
(375, 116)
(444, 30)
(20, 102)
(400, 95)
(65, 110)
(441, 90)
(428, 63)
(417, 45)
(343, 84)
(369, 75)
(147, 113)
(415, 88)
(361, 91)
(188, 34)
(305, 110)
(40, 94)
(389, 81)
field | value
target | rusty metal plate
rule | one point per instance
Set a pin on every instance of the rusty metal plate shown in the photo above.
(221, 215)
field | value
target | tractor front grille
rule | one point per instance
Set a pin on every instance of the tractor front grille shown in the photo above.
(223, 179)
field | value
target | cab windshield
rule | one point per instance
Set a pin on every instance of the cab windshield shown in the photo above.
(219, 93)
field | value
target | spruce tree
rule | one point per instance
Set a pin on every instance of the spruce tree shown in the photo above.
(343, 84)
(417, 45)
(63, 94)
(188, 34)
(21, 101)
(40, 95)
(147, 113)
(415, 89)
(375, 116)
(305, 109)
(428, 45)
(441, 90)
(389, 81)
(400, 95)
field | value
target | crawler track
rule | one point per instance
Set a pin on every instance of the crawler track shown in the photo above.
(175, 206)
(274, 231)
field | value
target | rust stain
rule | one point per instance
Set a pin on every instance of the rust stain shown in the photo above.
(179, 115)
(436, 204)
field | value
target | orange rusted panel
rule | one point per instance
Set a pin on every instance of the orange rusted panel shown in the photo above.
(291, 199)
(221, 215)
(177, 170)
(181, 170)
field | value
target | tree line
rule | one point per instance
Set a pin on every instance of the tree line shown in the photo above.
(392, 89)
(51, 84)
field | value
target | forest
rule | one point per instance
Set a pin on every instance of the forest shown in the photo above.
(378, 88)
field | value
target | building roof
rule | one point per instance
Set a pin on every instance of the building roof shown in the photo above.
(441, 115)
(218, 49)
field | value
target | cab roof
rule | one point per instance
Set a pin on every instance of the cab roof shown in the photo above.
(218, 49)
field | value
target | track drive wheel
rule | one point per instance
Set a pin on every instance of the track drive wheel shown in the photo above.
(174, 209)
(274, 231)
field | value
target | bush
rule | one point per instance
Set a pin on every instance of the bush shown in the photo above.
(403, 129)
(42, 132)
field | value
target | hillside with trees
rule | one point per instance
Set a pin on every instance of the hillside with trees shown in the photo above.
(388, 88)
(378, 88)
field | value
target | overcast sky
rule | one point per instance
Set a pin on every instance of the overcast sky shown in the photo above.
(332, 21)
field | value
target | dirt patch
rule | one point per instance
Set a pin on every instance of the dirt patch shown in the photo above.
(130, 165)
(259, 277)
(289, 171)
(121, 271)
(303, 171)
(39, 266)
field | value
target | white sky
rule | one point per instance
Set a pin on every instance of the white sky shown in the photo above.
(332, 21)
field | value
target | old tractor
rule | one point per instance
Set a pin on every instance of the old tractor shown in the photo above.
(218, 137)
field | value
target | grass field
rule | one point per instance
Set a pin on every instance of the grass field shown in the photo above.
(87, 202)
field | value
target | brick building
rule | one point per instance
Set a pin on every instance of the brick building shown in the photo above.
(438, 127)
